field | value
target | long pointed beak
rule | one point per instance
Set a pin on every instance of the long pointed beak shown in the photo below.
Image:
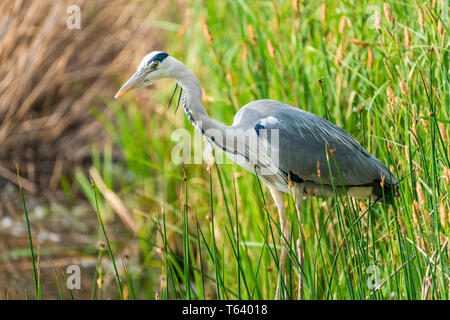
(130, 84)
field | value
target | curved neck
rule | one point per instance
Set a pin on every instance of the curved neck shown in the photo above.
(192, 99)
(211, 130)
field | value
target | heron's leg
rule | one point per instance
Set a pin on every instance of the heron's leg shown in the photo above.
(298, 198)
(278, 197)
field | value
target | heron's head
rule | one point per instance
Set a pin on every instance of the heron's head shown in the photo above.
(155, 65)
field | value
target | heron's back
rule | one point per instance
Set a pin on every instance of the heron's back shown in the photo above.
(313, 149)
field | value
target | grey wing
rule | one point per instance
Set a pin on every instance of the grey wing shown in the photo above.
(304, 140)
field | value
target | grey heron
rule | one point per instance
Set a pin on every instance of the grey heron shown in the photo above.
(314, 156)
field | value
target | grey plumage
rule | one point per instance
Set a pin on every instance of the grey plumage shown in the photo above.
(303, 139)
(299, 140)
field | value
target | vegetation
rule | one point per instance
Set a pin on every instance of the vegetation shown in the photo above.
(378, 70)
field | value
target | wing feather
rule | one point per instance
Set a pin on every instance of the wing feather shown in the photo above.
(304, 142)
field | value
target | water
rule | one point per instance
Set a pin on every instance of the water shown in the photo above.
(64, 234)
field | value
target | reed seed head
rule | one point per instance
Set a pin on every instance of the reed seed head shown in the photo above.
(387, 12)
(244, 54)
(229, 78)
(295, 5)
(377, 20)
(339, 54)
(407, 36)
(359, 42)
(270, 48)
(370, 57)
(206, 31)
(390, 94)
(404, 88)
(251, 34)
(441, 28)
(342, 24)
(324, 14)
(421, 19)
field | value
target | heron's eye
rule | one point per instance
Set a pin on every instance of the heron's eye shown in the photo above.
(153, 66)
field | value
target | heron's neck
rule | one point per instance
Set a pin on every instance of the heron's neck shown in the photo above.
(192, 100)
